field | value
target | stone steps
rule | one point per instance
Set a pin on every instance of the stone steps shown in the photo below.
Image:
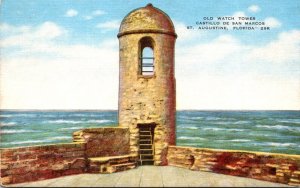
(111, 164)
(123, 167)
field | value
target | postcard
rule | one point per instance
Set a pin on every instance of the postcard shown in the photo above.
(149, 93)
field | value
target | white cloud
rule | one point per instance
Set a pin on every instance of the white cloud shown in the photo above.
(207, 53)
(87, 80)
(222, 73)
(186, 35)
(236, 16)
(98, 12)
(113, 24)
(94, 14)
(4, 27)
(237, 91)
(285, 49)
(239, 14)
(76, 77)
(49, 30)
(269, 21)
(272, 22)
(29, 37)
(227, 74)
(254, 8)
(228, 50)
(71, 13)
(88, 17)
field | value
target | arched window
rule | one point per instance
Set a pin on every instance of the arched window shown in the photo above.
(147, 61)
(146, 64)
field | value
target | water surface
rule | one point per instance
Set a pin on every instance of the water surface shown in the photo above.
(268, 131)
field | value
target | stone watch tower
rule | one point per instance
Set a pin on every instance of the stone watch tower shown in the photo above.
(147, 100)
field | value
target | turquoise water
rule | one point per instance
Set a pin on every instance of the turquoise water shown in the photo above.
(268, 131)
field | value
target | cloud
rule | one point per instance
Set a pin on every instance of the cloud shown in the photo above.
(254, 8)
(71, 13)
(94, 14)
(284, 50)
(88, 17)
(210, 56)
(210, 52)
(109, 25)
(28, 37)
(272, 22)
(48, 30)
(47, 74)
(269, 21)
(227, 51)
(187, 35)
(239, 14)
(98, 12)
(225, 73)
(236, 16)
(221, 73)
(9, 29)
(237, 92)
(84, 79)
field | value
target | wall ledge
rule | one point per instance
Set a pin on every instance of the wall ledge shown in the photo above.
(273, 167)
(241, 151)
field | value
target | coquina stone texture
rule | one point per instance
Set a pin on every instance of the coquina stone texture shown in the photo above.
(104, 141)
(148, 99)
(34, 163)
(272, 167)
(108, 146)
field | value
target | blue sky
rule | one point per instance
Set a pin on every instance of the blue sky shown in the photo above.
(34, 12)
(70, 49)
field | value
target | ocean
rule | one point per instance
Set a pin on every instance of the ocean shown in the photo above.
(266, 131)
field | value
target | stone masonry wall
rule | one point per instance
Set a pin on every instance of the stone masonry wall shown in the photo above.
(34, 163)
(148, 99)
(279, 168)
(104, 141)
(41, 162)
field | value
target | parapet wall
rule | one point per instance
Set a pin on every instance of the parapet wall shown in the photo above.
(41, 162)
(104, 141)
(100, 145)
(34, 163)
(280, 168)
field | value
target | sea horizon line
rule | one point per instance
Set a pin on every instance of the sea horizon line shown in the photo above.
(95, 110)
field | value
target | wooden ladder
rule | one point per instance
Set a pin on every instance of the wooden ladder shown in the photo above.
(146, 146)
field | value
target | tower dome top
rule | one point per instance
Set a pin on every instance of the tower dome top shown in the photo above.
(148, 19)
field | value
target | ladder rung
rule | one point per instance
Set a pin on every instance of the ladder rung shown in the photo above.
(146, 152)
(145, 142)
(147, 160)
(147, 57)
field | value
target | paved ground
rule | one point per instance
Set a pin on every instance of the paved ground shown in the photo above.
(153, 176)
